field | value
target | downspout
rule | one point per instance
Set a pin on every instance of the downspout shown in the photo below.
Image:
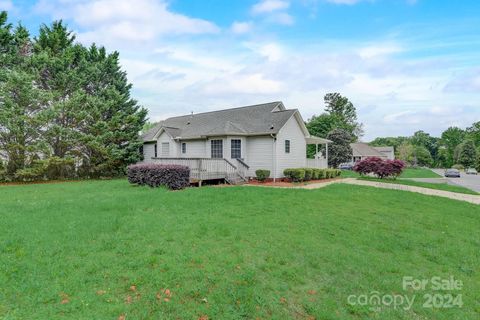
(274, 158)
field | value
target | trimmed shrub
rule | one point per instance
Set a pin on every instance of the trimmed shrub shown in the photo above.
(262, 174)
(294, 175)
(321, 174)
(381, 168)
(308, 174)
(315, 173)
(174, 177)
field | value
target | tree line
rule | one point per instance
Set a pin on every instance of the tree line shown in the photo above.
(339, 123)
(455, 146)
(65, 109)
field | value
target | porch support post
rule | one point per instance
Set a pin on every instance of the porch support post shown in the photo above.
(326, 153)
(316, 155)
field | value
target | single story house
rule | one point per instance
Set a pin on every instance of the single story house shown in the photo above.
(362, 151)
(232, 144)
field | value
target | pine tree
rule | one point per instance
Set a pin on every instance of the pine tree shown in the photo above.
(21, 105)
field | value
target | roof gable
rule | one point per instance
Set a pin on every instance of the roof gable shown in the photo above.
(260, 119)
(364, 150)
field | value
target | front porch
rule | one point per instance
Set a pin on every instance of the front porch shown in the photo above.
(320, 160)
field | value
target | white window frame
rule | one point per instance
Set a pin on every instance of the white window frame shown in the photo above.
(287, 146)
(165, 149)
(216, 149)
(237, 148)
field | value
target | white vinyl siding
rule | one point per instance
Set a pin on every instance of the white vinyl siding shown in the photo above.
(195, 149)
(296, 158)
(148, 151)
(173, 149)
(259, 154)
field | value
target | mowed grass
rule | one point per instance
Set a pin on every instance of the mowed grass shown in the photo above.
(108, 250)
(437, 186)
(418, 173)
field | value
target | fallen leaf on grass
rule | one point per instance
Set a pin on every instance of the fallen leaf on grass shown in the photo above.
(101, 292)
(122, 317)
(203, 317)
(311, 292)
(283, 300)
(65, 298)
(128, 300)
(133, 288)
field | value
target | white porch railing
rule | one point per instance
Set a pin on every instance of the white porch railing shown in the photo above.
(206, 168)
(319, 163)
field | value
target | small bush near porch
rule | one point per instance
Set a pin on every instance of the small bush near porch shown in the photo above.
(174, 177)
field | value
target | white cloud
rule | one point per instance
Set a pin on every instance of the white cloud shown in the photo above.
(372, 51)
(110, 21)
(241, 27)
(282, 18)
(243, 84)
(349, 2)
(6, 5)
(267, 6)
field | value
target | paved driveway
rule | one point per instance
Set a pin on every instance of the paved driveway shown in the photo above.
(469, 181)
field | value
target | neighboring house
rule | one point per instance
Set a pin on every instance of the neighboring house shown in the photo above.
(233, 143)
(362, 151)
(389, 152)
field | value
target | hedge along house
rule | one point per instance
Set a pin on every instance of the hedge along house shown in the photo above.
(232, 144)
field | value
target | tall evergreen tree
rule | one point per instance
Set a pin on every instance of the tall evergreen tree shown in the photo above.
(339, 151)
(61, 101)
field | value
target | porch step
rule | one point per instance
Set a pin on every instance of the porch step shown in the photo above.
(235, 180)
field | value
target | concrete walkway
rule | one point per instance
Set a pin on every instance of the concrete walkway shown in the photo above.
(431, 192)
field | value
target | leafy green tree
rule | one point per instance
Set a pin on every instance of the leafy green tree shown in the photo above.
(339, 151)
(423, 139)
(467, 154)
(340, 114)
(344, 112)
(473, 133)
(451, 138)
(415, 155)
(443, 160)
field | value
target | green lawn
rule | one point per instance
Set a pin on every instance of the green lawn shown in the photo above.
(103, 249)
(418, 173)
(437, 186)
(349, 174)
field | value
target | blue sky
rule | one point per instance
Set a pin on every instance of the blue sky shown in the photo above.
(405, 64)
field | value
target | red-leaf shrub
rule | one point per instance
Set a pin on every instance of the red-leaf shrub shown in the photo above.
(174, 177)
(381, 168)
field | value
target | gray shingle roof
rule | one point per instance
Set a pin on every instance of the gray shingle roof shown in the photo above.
(364, 150)
(250, 120)
(384, 149)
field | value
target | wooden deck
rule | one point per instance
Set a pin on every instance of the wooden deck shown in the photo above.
(202, 169)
